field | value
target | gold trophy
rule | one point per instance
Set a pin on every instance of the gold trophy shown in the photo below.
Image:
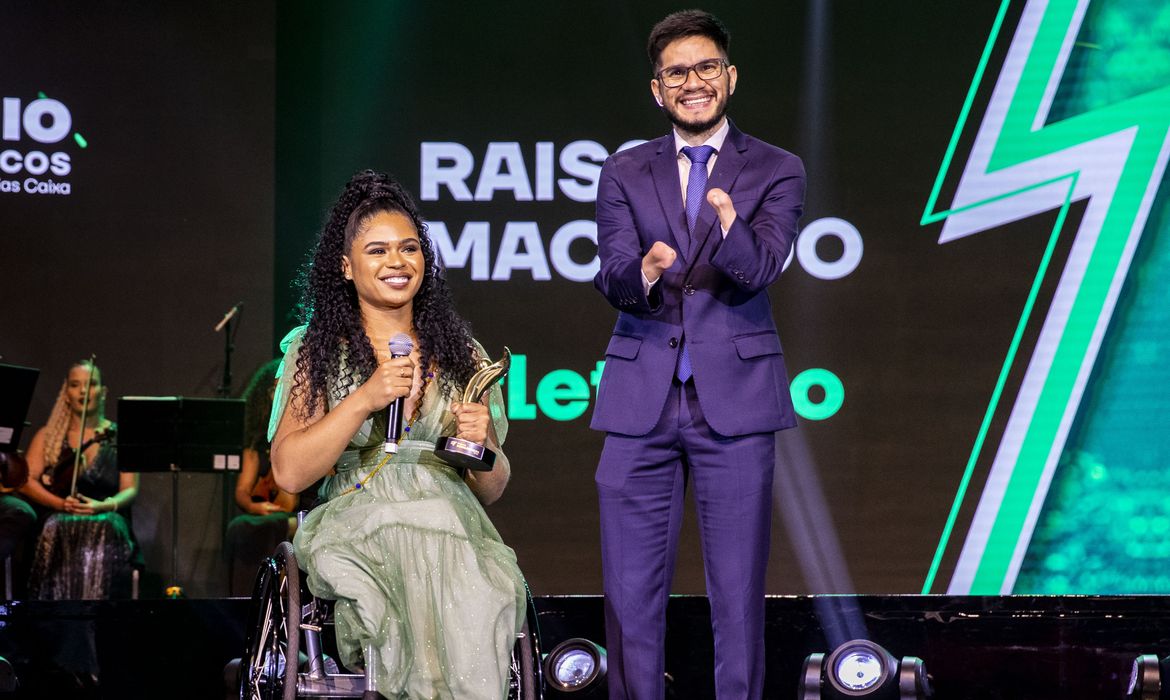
(465, 454)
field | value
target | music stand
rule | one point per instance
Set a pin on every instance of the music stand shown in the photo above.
(18, 383)
(174, 434)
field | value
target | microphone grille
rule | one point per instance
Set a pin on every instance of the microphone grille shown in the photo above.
(401, 344)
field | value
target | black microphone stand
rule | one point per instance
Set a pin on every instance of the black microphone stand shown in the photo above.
(224, 390)
(231, 325)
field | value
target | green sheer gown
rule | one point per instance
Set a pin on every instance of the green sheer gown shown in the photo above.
(415, 565)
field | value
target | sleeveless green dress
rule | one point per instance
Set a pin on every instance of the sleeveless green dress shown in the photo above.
(415, 565)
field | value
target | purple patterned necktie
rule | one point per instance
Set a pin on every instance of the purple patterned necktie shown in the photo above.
(696, 195)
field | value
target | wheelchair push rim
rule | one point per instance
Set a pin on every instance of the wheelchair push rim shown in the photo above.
(268, 668)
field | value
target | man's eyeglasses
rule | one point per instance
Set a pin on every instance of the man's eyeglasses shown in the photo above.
(675, 76)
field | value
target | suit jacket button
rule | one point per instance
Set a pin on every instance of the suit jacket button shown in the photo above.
(673, 342)
(689, 290)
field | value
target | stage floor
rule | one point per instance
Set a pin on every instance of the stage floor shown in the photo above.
(975, 647)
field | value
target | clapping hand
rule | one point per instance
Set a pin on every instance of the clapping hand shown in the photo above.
(724, 207)
(657, 260)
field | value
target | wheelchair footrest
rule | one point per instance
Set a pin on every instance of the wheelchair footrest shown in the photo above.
(331, 685)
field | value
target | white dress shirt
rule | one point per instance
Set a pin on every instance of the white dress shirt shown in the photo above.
(684, 173)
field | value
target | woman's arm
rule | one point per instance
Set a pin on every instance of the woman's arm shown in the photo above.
(36, 467)
(246, 483)
(285, 502)
(127, 492)
(304, 450)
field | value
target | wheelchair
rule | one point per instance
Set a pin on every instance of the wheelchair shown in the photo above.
(287, 625)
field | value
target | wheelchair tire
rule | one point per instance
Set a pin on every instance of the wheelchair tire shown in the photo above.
(526, 681)
(268, 669)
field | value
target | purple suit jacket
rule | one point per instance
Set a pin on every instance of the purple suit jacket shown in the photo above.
(715, 295)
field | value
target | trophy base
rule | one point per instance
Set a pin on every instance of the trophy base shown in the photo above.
(465, 454)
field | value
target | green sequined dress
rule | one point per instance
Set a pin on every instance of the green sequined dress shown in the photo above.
(415, 565)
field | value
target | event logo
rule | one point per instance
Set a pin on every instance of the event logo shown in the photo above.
(564, 394)
(451, 169)
(31, 159)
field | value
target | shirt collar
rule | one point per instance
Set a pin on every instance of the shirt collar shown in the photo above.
(716, 140)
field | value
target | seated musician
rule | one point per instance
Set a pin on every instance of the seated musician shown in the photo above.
(17, 521)
(86, 549)
(266, 519)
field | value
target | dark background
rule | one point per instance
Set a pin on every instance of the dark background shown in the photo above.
(220, 135)
(169, 223)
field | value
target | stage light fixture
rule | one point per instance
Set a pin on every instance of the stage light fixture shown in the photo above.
(575, 666)
(863, 669)
(1147, 678)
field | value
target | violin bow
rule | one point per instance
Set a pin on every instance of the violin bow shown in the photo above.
(81, 429)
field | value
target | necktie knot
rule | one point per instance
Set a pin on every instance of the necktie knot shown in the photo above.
(698, 154)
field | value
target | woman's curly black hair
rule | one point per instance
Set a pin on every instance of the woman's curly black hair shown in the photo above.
(329, 303)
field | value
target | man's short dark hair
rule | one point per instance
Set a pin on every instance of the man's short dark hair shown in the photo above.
(683, 24)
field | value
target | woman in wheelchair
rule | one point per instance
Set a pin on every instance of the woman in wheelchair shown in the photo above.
(401, 542)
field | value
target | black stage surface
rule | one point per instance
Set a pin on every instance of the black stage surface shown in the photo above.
(975, 647)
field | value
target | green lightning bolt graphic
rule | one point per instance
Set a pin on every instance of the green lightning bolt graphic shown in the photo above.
(1020, 165)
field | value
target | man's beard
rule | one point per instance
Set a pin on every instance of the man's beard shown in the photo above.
(697, 128)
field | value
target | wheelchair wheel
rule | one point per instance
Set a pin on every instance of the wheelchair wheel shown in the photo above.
(269, 666)
(526, 681)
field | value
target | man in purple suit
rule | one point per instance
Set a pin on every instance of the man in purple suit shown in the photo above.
(691, 229)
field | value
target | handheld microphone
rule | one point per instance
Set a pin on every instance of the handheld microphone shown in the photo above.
(400, 346)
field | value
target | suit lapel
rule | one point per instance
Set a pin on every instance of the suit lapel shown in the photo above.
(732, 159)
(666, 182)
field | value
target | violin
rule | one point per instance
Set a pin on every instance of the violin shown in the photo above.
(13, 472)
(265, 489)
(61, 479)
